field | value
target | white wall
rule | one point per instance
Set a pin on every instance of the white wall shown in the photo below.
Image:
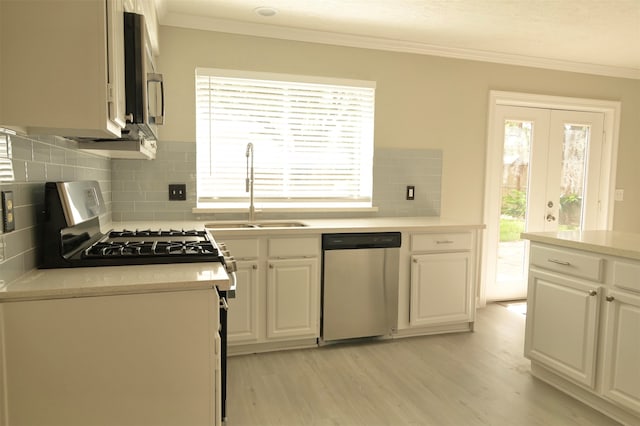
(422, 102)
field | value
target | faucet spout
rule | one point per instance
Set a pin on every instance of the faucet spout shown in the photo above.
(249, 181)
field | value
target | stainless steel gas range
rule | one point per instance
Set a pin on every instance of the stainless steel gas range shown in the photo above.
(72, 238)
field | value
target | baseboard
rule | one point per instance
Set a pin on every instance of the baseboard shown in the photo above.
(585, 396)
(438, 329)
(254, 348)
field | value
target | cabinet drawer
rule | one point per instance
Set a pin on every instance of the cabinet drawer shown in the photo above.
(626, 275)
(567, 262)
(441, 242)
(242, 248)
(294, 247)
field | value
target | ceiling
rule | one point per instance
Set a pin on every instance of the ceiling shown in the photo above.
(592, 36)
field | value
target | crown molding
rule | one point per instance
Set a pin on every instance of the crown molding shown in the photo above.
(376, 43)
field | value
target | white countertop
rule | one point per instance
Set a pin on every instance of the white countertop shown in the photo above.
(611, 243)
(111, 280)
(315, 226)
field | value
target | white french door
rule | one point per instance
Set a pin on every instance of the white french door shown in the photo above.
(550, 180)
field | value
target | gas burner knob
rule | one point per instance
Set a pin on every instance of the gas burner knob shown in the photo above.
(230, 264)
(223, 247)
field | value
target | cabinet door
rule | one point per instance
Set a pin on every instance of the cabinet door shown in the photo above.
(440, 289)
(65, 84)
(561, 328)
(217, 405)
(293, 298)
(622, 350)
(140, 359)
(115, 45)
(243, 309)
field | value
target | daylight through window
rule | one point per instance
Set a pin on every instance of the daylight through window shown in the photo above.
(312, 138)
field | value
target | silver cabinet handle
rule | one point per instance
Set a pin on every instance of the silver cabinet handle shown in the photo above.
(593, 293)
(610, 298)
(254, 266)
(444, 242)
(559, 262)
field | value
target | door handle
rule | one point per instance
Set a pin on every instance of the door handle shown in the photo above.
(551, 218)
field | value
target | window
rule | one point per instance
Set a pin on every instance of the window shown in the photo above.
(312, 139)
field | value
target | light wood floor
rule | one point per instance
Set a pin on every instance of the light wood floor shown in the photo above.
(463, 379)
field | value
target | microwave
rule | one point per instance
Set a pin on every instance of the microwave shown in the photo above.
(144, 88)
(144, 98)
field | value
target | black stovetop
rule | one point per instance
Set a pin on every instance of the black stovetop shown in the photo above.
(152, 243)
(72, 235)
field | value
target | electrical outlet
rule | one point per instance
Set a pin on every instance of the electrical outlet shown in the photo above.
(8, 218)
(411, 192)
(619, 195)
(177, 192)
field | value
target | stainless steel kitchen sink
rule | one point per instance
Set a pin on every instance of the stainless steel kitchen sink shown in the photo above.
(229, 225)
(245, 225)
(279, 224)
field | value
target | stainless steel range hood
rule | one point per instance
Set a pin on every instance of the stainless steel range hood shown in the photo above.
(121, 148)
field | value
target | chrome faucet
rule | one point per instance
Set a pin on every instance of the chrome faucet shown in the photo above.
(249, 181)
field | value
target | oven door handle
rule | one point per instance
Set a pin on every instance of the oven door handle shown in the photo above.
(223, 304)
(231, 293)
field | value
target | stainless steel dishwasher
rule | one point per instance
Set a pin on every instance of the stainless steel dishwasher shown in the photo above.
(359, 284)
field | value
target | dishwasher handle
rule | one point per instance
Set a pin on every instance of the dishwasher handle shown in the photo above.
(361, 240)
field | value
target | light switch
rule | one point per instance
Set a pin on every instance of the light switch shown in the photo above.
(619, 195)
(8, 219)
(411, 192)
(177, 192)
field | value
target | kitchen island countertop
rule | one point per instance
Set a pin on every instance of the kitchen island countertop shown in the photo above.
(611, 243)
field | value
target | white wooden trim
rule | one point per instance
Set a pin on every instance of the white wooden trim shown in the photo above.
(611, 110)
(4, 405)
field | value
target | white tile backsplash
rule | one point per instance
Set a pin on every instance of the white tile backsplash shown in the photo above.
(36, 160)
(142, 192)
(137, 190)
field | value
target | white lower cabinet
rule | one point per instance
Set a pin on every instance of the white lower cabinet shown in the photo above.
(292, 298)
(583, 327)
(440, 288)
(622, 349)
(441, 293)
(277, 301)
(136, 359)
(243, 308)
(562, 325)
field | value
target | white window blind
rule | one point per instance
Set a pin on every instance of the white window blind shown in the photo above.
(312, 138)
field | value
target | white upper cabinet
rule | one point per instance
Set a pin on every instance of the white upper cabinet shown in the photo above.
(62, 69)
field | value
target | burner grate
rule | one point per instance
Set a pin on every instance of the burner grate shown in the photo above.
(157, 233)
(108, 249)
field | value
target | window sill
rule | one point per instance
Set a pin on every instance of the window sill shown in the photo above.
(282, 209)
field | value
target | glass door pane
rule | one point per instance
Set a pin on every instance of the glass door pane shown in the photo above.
(514, 190)
(573, 172)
